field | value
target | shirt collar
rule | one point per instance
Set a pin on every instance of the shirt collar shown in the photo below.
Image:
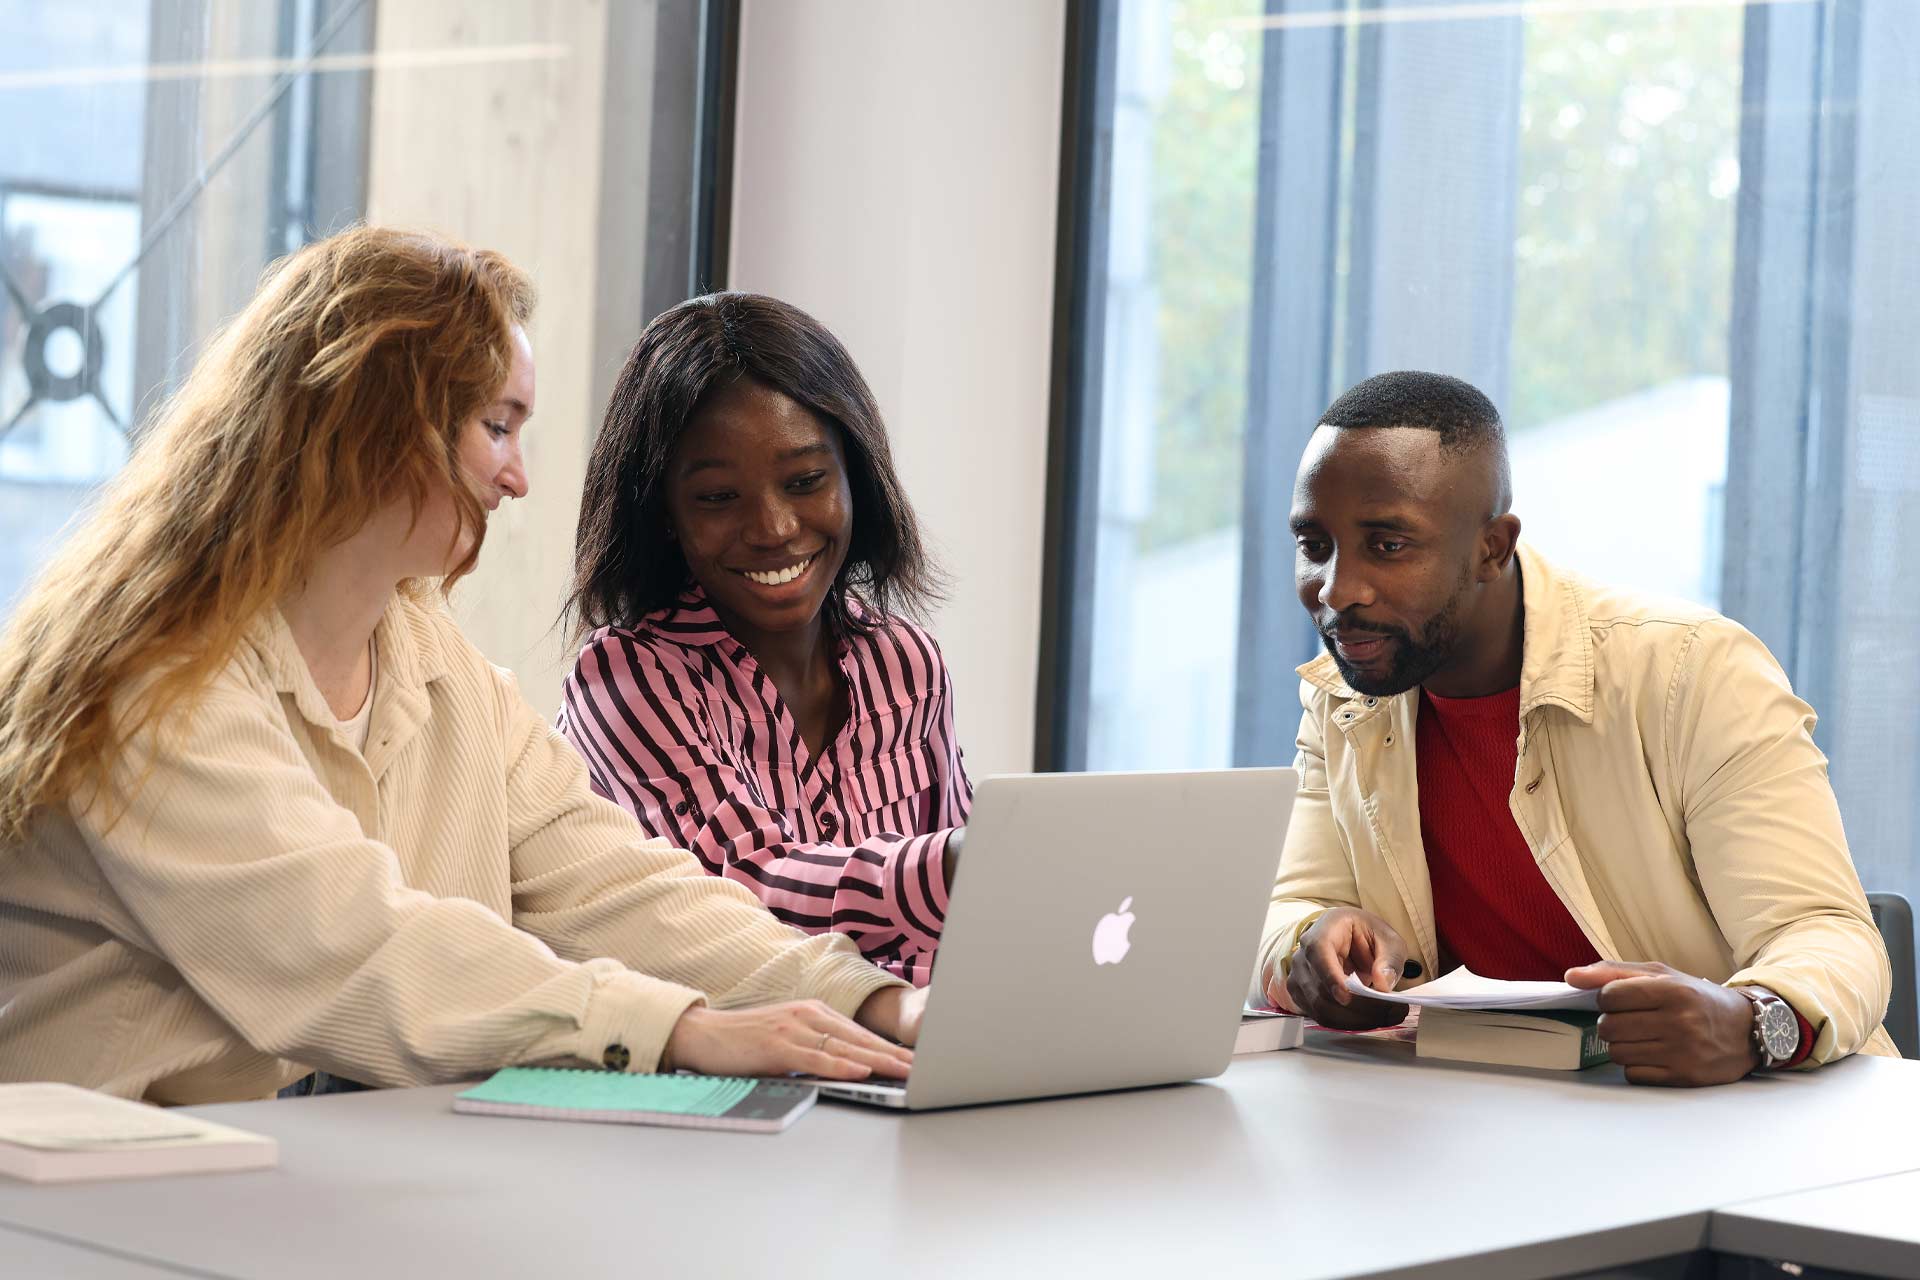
(1556, 663)
(689, 621)
(412, 653)
(692, 622)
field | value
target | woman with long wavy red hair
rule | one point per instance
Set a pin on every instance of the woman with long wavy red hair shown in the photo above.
(268, 822)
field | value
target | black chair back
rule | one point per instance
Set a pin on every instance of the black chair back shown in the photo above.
(1894, 914)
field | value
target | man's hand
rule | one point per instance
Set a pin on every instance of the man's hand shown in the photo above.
(1344, 940)
(894, 1012)
(1668, 1027)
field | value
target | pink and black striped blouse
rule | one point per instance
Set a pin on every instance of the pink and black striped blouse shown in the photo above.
(680, 726)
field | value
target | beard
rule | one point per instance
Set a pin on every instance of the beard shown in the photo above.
(1415, 658)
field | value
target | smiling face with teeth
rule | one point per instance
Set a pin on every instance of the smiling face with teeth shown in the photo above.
(758, 500)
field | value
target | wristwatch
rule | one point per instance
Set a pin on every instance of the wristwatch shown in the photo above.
(1776, 1031)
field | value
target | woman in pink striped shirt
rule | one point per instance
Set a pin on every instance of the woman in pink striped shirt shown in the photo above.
(748, 687)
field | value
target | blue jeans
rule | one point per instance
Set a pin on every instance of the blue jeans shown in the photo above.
(321, 1082)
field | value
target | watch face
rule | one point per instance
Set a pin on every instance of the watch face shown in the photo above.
(1779, 1030)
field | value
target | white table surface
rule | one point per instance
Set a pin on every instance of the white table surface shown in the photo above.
(1871, 1227)
(1345, 1158)
(26, 1256)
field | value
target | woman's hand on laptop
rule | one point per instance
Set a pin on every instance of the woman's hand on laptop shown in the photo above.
(802, 1035)
(950, 860)
(894, 1012)
(1342, 941)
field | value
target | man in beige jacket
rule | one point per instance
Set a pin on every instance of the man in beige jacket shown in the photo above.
(1507, 766)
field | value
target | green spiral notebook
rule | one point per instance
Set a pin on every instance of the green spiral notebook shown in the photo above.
(614, 1097)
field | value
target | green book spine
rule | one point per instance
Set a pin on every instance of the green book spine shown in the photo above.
(1593, 1050)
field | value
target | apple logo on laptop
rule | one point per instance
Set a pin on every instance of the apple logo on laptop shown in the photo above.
(1110, 944)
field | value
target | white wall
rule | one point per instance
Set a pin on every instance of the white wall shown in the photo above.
(509, 155)
(896, 173)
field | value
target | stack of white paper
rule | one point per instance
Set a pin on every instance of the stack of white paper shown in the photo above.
(1465, 989)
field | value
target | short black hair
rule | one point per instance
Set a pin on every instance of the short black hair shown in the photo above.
(1460, 412)
(625, 564)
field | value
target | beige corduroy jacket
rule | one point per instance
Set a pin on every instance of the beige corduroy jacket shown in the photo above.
(456, 899)
(1669, 788)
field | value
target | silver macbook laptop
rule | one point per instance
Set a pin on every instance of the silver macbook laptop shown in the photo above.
(1100, 935)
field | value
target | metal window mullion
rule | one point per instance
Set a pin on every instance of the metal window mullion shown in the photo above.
(1063, 700)
(164, 313)
(338, 142)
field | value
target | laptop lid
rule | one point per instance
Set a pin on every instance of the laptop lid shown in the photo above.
(1101, 932)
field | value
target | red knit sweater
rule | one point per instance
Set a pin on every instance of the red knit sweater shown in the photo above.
(1495, 912)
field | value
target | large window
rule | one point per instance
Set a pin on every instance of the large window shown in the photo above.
(1672, 241)
(156, 155)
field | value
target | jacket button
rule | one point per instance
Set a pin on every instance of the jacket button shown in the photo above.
(681, 809)
(616, 1058)
(829, 823)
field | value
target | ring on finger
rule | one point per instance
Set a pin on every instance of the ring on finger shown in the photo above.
(822, 1046)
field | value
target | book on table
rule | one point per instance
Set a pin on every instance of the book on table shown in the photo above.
(1552, 1039)
(1267, 1031)
(614, 1097)
(60, 1133)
